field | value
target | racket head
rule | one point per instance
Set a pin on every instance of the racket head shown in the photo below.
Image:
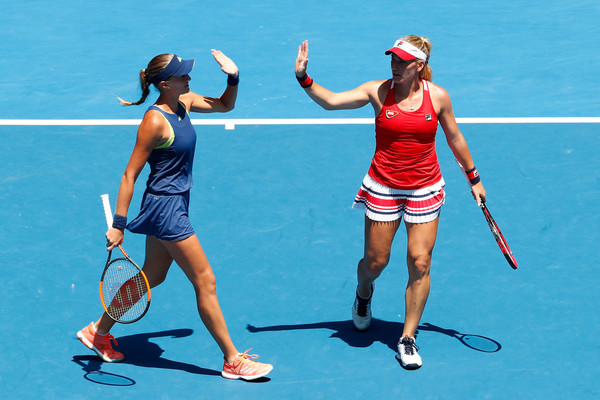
(124, 290)
(512, 261)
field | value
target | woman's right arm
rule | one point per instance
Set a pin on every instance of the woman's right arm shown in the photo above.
(351, 99)
(149, 136)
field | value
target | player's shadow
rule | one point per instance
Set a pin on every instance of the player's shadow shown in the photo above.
(139, 350)
(385, 332)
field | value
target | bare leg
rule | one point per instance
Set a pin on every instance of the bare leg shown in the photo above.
(189, 255)
(378, 244)
(421, 239)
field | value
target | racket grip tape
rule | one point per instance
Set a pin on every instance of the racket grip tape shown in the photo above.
(107, 210)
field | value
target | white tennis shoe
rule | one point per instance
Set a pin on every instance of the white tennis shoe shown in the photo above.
(407, 353)
(361, 311)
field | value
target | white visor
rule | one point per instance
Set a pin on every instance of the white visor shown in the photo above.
(407, 51)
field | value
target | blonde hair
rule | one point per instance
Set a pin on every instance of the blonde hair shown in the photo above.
(155, 66)
(423, 44)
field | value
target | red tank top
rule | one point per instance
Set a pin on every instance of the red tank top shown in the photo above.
(405, 156)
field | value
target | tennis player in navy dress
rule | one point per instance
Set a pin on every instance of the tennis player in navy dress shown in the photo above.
(166, 141)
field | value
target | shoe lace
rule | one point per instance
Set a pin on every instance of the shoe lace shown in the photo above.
(362, 303)
(409, 345)
(361, 307)
(245, 357)
(108, 337)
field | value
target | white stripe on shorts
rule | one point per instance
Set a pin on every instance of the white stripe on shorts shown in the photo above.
(381, 203)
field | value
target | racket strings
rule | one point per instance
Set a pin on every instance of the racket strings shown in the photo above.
(124, 290)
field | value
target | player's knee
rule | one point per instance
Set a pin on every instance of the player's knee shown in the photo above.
(419, 266)
(374, 265)
(156, 279)
(206, 283)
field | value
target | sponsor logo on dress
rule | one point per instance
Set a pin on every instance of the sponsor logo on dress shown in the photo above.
(391, 114)
(427, 117)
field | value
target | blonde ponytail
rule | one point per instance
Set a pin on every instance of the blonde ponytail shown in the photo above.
(423, 44)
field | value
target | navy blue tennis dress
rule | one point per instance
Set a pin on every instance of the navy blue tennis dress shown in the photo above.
(165, 205)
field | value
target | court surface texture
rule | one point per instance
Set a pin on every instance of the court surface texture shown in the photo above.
(272, 196)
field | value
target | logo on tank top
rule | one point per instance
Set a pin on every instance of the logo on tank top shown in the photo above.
(391, 114)
(427, 117)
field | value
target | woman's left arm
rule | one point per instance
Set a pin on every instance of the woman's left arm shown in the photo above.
(202, 104)
(456, 141)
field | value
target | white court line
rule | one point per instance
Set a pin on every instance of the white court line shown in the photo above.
(230, 124)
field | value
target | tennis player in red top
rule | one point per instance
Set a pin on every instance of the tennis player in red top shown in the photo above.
(404, 180)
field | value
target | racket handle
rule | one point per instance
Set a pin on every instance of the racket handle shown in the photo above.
(107, 210)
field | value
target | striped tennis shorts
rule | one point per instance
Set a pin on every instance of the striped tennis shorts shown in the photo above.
(381, 203)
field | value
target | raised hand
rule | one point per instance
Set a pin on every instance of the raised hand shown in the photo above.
(302, 60)
(225, 62)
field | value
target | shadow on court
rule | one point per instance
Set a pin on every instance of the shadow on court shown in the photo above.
(92, 366)
(384, 332)
(140, 351)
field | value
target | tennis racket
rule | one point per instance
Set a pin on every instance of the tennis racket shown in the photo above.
(124, 288)
(499, 237)
(494, 228)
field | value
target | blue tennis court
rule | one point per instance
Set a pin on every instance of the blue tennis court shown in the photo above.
(271, 204)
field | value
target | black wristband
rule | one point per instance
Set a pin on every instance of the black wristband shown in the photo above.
(119, 222)
(233, 80)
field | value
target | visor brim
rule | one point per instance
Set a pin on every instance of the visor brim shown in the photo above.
(401, 53)
(185, 68)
